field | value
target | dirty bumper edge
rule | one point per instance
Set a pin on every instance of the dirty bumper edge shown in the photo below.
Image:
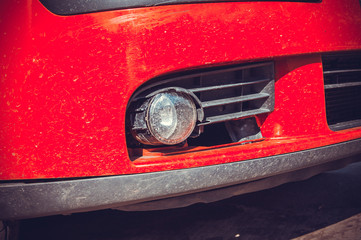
(25, 200)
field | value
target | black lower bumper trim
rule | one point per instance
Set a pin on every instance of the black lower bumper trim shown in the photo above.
(21, 200)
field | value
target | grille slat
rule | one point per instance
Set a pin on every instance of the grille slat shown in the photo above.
(341, 71)
(227, 117)
(226, 101)
(225, 93)
(204, 89)
(342, 79)
(341, 85)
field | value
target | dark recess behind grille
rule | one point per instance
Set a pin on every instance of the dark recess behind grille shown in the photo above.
(342, 78)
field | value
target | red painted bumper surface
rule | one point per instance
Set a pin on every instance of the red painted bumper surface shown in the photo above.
(66, 81)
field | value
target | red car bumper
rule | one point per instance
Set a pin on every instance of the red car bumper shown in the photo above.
(66, 82)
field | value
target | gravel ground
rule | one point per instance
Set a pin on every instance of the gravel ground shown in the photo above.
(289, 211)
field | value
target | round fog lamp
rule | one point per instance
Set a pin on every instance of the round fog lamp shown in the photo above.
(170, 118)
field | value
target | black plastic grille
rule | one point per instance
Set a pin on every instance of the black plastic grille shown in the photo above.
(342, 78)
(225, 93)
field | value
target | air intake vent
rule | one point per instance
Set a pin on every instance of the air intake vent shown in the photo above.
(225, 93)
(342, 78)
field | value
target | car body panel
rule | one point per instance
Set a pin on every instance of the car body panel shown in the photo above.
(66, 83)
(67, 80)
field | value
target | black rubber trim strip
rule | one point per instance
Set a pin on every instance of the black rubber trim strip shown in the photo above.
(21, 200)
(72, 7)
(239, 189)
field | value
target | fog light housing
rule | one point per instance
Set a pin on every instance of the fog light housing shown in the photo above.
(167, 117)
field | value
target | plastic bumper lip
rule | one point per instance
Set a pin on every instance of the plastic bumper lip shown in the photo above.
(21, 200)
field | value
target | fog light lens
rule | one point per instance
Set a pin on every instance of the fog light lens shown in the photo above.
(163, 118)
(170, 118)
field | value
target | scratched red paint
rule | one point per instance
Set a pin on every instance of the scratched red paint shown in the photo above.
(66, 81)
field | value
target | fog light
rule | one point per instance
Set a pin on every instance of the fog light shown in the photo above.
(169, 117)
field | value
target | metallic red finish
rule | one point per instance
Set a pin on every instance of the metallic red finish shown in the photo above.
(66, 81)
